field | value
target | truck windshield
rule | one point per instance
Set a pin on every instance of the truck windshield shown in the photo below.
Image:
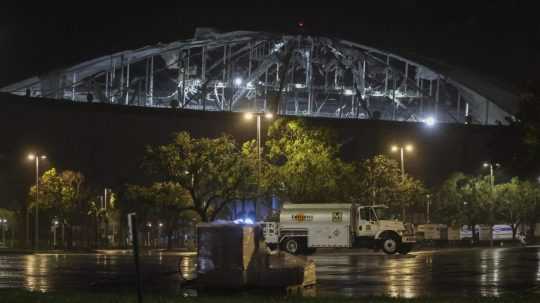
(382, 213)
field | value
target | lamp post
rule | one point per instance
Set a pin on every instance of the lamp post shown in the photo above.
(149, 225)
(402, 149)
(428, 202)
(36, 158)
(249, 116)
(55, 226)
(160, 226)
(492, 187)
(4, 225)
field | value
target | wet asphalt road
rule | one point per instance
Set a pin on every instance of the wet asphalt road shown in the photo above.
(351, 273)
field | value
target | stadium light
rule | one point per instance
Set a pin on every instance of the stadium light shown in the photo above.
(430, 121)
(238, 81)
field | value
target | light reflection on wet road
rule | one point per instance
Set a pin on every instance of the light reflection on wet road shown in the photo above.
(485, 272)
(103, 272)
(453, 273)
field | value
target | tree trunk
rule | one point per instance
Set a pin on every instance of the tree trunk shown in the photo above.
(169, 239)
(491, 235)
(473, 230)
(514, 231)
(96, 244)
(204, 216)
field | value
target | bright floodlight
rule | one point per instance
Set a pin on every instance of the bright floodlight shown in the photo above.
(409, 147)
(394, 148)
(348, 92)
(238, 81)
(248, 116)
(486, 164)
(160, 224)
(248, 221)
(43, 157)
(430, 121)
(149, 224)
(31, 157)
(269, 116)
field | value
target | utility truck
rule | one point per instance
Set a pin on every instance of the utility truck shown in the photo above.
(302, 228)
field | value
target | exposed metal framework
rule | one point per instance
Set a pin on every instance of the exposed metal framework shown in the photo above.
(288, 74)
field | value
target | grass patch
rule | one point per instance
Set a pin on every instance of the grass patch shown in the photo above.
(22, 296)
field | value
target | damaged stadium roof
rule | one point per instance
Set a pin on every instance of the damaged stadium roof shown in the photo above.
(291, 74)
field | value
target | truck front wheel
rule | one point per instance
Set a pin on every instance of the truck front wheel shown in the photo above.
(390, 244)
(293, 246)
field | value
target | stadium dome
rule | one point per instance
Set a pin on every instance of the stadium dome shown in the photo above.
(299, 74)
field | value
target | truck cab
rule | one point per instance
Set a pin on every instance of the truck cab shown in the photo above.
(375, 225)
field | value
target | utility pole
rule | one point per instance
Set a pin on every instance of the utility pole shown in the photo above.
(402, 149)
(491, 205)
(36, 157)
(249, 116)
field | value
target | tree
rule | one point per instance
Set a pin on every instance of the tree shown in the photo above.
(466, 200)
(517, 203)
(303, 164)
(531, 198)
(167, 202)
(380, 182)
(10, 217)
(60, 193)
(509, 204)
(212, 171)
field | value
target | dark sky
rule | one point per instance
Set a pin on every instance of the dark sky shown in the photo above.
(495, 38)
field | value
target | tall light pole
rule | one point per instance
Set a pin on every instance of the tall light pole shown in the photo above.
(149, 225)
(492, 187)
(160, 226)
(428, 202)
(402, 149)
(249, 116)
(36, 158)
(4, 225)
(55, 226)
(491, 175)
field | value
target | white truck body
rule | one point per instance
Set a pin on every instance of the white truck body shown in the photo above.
(312, 226)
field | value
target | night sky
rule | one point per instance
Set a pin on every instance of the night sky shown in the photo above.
(494, 38)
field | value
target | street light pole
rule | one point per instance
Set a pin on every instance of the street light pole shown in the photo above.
(427, 208)
(55, 226)
(4, 223)
(36, 236)
(249, 116)
(258, 148)
(402, 150)
(36, 157)
(492, 188)
(402, 165)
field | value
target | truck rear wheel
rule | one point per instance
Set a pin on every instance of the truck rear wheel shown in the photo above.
(293, 246)
(390, 244)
